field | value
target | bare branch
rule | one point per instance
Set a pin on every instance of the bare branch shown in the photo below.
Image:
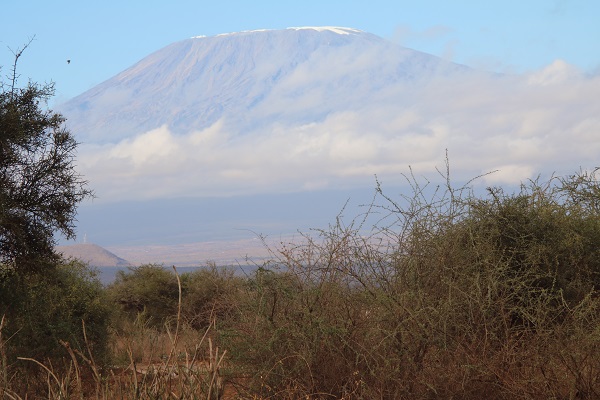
(17, 53)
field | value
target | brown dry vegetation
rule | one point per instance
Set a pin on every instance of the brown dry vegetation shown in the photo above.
(440, 294)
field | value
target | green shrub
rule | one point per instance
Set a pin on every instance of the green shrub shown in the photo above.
(44, 309)
(209, 294)
(149, 291)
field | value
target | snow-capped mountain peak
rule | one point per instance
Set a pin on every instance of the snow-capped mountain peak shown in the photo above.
(192, 84)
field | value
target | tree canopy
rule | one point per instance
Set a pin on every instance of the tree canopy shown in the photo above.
(39, 186)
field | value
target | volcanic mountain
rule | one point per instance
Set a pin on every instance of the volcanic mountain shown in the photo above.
(191, 84)
(211, 137)
(272, 131)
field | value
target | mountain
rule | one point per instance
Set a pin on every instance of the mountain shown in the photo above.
(257, 132)
(92, 254)
(191, 84)
(265, 132)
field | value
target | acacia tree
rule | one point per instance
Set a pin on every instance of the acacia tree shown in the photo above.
(39, 187)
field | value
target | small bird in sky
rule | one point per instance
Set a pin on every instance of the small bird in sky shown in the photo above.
(68, 61)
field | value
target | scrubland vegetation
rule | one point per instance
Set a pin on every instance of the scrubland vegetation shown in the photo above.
(442, 293)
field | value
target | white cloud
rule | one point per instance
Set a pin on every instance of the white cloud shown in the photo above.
(510, 173)
(521, 125)
(156, 147)
(558, 72)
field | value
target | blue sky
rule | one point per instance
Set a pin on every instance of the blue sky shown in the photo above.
(102, 38)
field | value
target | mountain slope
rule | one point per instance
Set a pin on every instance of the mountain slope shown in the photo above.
(191, 84)
(92, 254)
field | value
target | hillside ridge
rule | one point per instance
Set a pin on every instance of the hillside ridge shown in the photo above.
(92, 254)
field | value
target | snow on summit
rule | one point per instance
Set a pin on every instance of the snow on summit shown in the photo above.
(335, 29)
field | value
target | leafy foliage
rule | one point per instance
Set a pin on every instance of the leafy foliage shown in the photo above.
(149, 289)
(209, 294)
(43, 309)
(39, 187)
